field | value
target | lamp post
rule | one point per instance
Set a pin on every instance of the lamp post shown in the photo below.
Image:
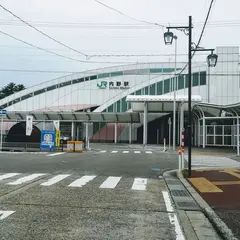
(212, 61)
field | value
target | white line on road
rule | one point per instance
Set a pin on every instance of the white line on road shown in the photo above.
(81, 181)
(8, 175)
(110, 182)
(172, 216)
(167, 201)
(137, 152)
(139, 184)
(4, 214)
(103, 151)
(174, 221)
(125, 151)
(55, 154)
(55, 179)
(114, 151)
(148, 152)
(26, 179)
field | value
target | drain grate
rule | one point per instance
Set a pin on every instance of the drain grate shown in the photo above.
(187, 204)
(180, 193)
(173, 182)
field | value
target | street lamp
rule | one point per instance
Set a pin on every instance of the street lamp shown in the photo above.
(168, 37)
(212, 61)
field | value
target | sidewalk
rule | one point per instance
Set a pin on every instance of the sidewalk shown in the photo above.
(220, 188)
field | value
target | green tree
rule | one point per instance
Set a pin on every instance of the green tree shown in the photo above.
(10, 89)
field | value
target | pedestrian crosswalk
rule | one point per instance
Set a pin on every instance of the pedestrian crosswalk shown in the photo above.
(213, 161)
(72, 181)
(125, 151)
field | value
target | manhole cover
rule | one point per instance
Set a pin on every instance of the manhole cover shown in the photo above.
(187, 204)
(180, 193)
(173, 182)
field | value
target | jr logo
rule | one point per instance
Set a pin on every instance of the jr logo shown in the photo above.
(102, 84)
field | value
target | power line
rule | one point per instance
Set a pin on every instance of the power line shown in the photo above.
(60, 55)
(125, 15)
(46, 35)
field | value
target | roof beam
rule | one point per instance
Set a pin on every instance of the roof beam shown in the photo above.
(88, 115)
(45, 114)
(103, 118)
(74, 116)
(60, 115)
(20, 115)
(116, 117)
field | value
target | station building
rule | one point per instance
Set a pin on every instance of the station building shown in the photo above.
(105, 91)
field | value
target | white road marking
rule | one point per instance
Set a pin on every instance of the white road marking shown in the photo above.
(137, 152)
(81, 181)
(125, 151)
(4, 214)
(148, 152)
(103, 151)
(174, 221)
(114, 152)
(139, 184)
(167, 201)
(172, 216)
(8, 175)
(55, 154)
(55, 179)
(110, 182)
(26, 179)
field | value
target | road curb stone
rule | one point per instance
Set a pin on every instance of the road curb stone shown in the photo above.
(216, 221)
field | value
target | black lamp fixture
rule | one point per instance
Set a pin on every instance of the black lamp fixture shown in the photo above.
(212, 59)
(168, 37)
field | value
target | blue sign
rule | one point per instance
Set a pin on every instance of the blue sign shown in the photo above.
(48, 140)
(3, 112)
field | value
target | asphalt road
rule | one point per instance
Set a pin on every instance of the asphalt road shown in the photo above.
(104, 194)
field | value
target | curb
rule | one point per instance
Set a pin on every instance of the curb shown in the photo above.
(216, 221)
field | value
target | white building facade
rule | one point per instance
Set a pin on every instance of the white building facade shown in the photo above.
(105, 90)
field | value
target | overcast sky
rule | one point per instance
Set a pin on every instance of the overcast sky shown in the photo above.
(89, 27)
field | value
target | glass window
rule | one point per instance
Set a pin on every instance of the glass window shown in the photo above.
(180, 82)
(195, 79)
(166, 86)
(114, 74)
(203, 78)
(110, 108)
(186, 81)
(93, 77)
(159, 88)
(152, 89)
(118, 106)
(104, 75)
(168, 70)
(124, 105)
(63, 84)
(77, 80)
(138, 92)
(52, 87)
(37, 92)
(156, 70)
(146, 90)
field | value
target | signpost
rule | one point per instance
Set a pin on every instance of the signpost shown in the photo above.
(48, 140)
(3, 113)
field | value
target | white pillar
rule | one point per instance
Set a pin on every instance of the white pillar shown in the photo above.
(199, 133)
(130, 132)
(238, 136)
(145, 124)
(115, 133)
(204, 132)
(73, 130)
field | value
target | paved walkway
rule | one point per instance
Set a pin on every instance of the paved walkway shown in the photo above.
(220, 188)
